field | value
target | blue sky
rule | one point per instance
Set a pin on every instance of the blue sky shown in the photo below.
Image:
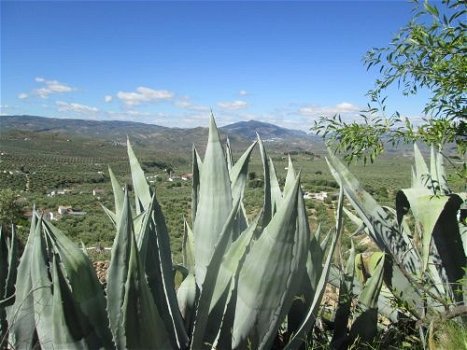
(169, 63)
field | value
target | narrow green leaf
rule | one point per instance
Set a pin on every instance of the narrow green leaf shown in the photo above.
(209, 282)
(195, 184)
(155, 254)
(267, 276)
(365, 325)
(267, 204)
(86, 293)
(342, 315)
(21, 316)
(141, 188)
(118, 194)
(290, 178)
(215, 202)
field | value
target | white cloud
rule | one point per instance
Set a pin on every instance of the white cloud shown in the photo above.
(316, 111)
(243, 93)
(108, 98)
(75, 107)
(185, 103)
(144, 94)
(23, 96)
(233, 105)
(51, 87)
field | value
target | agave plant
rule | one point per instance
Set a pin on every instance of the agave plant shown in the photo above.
(362, 278)
(425, 260)
(8, 269)
(244, 279)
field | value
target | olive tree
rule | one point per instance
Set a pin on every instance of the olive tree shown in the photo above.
(430, 52)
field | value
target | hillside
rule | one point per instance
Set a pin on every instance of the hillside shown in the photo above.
(164, 138)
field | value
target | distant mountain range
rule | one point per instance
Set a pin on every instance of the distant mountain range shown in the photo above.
(240, 133)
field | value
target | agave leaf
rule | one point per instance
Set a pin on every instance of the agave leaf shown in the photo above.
(239, 171)
(110, 214)
(230, 265)
(12, 261)
(228, 154)
(290, 178)
(4, 267)
(267, 276)
(384, 230)
(118, 272)
(134, 318)
(209, 283)
(186, 297)
(215, 202)
(118, 194)
(188, 248)
(42, 286)
(437, 217)
(342, 315)
(365, 324)
(195, 184)
(276, 194)
(238, 178)
(422, 177)
(300, 335)
(441, 174)
(426, 209)
(141, 323)
(140, 185)
(155, 255)
(268, 200)
(21, 314)
(85, 296)
(70, 328)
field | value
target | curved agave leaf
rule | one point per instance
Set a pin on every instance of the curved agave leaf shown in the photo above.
(438, 174)
(385, 232)
(238, 178)
(342, 315)
(84, 294)
(155, 254)
(186, 297)
(266, 280)
(276, 194)
(209, 283)
(228, 154)
(9, 261)
(134, 318)
(230, 265)
(197, 163)
(21, 314)
(290, 178)
(141, 188)
(364, 326)
(215, 202)
(421, 177)
(118, 194)
(268, 200)
(428, 210)
(188, 248)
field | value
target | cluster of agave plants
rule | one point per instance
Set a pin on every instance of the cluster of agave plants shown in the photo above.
(247, 282)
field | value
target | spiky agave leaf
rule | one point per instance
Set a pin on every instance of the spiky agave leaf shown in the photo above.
(214, 204)
(383, 229)
(266, 281)
(364, 326)
(85, 298)
(134, 319)
(21, 314)
(154, 250)
(342, 315)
